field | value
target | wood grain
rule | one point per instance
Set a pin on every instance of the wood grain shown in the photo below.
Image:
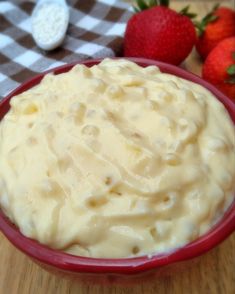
(214, 273)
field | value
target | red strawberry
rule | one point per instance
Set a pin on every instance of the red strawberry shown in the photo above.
(214, 27)
(219, 67)
(160, 33)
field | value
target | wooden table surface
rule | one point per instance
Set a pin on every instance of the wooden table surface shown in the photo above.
(214, 273)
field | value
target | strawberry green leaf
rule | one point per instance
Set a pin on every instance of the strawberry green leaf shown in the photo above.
(144, 4)
(231, 69)
(141, 4)
(231, 72)
(210, 17)
(136, 10)
(152, 3)
(164, 3)
(230, 80)
(191, 15)
(185, 11)
(233, 55)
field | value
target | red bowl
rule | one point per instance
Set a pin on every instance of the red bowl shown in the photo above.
(119, 269)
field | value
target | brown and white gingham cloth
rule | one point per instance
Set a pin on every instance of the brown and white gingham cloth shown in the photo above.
(95, 30)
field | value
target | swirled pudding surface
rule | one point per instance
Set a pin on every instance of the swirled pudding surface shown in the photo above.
(116, 160)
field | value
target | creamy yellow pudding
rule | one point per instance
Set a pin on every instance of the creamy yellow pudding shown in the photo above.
(116, 160)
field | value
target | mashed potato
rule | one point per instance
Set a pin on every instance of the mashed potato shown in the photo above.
(116, 160)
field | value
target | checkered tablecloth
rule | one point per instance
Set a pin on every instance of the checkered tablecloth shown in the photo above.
(95, 30)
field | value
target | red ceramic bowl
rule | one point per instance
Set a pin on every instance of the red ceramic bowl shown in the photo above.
(119, 269)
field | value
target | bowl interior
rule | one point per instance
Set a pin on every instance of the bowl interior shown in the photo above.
(126, 265)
